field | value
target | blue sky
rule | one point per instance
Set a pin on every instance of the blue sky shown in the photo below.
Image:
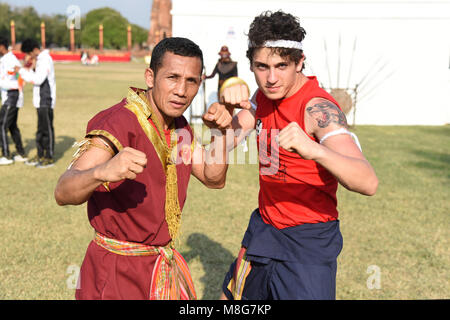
(136, 11)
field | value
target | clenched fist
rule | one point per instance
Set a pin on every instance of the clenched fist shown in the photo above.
(127, 164)
(217, 117)
(236, 96)
(292, 138)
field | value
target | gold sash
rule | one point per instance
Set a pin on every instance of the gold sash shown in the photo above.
(138, 104)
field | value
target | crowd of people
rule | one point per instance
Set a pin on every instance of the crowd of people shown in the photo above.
(134, 164)
(38, 70)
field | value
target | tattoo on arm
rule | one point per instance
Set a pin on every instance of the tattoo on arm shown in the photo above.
(327, 112)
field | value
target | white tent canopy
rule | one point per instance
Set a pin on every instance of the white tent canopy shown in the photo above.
(396, 52)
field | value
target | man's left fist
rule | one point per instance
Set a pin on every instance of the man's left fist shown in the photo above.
(292, 138)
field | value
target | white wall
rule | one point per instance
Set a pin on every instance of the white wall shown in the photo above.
(402, 50)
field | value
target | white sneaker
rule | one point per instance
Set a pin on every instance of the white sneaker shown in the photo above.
(19, 158)
(32, 162)
(5, 161)
(45, 163)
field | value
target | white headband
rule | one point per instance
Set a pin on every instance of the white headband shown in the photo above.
(282, 44)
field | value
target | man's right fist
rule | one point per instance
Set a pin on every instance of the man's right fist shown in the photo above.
(218, 117)
(235, 93)
(127, 164)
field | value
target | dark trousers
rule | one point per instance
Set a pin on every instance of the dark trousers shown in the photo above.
(45, 135)
(8, 122)
(295, 263)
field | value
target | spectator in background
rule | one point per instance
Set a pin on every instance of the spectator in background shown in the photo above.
(12, 100)
(225, 67)
(87, 60)
(84, 58)
(44, 95)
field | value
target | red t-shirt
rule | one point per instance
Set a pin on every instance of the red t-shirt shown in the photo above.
(293, 190)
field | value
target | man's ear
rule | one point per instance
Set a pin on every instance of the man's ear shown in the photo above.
(300, 64)
(149, 78)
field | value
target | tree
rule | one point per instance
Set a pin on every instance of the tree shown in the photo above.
(28, 25)
(139, 34)
(114, 29)
(5, 19)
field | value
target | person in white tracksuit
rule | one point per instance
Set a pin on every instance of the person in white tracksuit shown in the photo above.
(44, 96)
(12, 100)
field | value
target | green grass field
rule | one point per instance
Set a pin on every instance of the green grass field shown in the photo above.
(396, 244)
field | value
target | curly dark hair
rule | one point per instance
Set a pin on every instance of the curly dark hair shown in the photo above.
(276, 26)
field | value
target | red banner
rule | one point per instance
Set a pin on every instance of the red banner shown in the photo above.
(62, 56)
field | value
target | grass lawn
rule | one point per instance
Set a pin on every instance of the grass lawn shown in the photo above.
(396, 244)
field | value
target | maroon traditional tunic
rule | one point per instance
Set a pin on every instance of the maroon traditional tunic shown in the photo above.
(132, 210)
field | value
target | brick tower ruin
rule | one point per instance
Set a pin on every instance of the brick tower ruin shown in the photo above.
(161, 22)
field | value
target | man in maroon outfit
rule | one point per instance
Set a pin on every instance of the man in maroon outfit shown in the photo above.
(133, 169)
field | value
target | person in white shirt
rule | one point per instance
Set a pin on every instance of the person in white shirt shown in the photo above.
(44, 96)
(12, 99)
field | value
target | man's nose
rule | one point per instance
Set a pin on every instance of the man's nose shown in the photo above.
(180, 89)
(272, 76)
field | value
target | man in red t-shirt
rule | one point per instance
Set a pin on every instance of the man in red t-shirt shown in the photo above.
(290, 248)
(133, 170)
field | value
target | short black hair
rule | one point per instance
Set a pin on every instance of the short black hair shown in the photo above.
(4, 42)
(29, 45)
(275, 26)
(176, 45)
